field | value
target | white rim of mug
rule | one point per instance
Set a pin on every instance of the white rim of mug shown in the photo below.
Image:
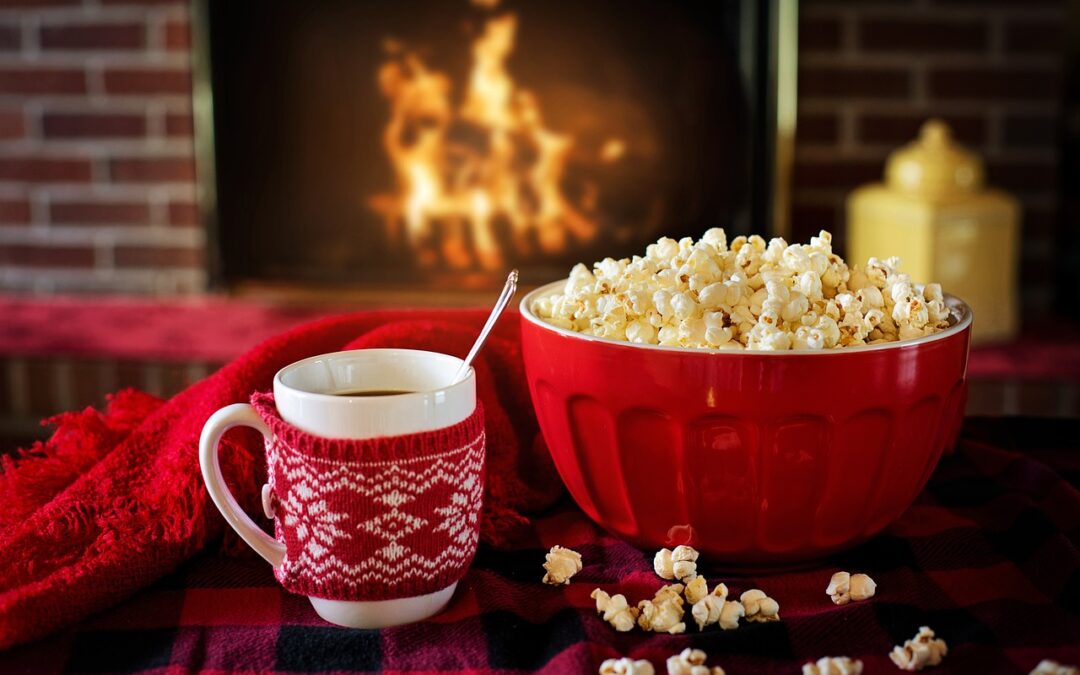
(278, 381)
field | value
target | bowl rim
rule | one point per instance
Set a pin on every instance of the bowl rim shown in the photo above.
(958, 309)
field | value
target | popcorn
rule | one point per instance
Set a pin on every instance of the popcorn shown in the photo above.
(625, 666)
(751, 294)
(561, 564)
(664, 613)
(844, 587)
(921, 651)
(707, 610)
(1048, 667)
(862, 587)
(730, 614)
(679, 564)
(615, 610)
(695, 590)
(833, 665)
(691, 662)
(759, 607)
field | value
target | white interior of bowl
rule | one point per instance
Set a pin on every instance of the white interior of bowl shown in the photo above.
(959, 317)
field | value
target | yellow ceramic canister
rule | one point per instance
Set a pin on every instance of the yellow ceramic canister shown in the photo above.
(935, 214)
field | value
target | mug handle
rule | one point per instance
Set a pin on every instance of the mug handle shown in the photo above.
(238, 414)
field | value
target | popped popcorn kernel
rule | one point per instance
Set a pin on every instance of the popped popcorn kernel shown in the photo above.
(664, 613)
(759, 607)
(844, 587)
(695, 590)
(833, 665)
(707, 610)
(1048, 667)
(684, 563)
(662, 564)
(615, 610)
(561, 564)
(691, 662)
(730, 614)
(749, 294)
(862, 587)
(920, 651)
(680, 564)
(626, 666)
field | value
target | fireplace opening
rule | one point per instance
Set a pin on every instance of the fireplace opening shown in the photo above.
(440, 143)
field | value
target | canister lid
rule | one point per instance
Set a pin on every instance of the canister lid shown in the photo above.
(934, 165)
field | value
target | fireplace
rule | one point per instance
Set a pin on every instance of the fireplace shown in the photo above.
(439, 143)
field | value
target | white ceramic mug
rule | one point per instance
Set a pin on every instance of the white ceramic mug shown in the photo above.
(304, 394)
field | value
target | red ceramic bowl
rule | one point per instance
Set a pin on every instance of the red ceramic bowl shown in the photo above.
(754, 458)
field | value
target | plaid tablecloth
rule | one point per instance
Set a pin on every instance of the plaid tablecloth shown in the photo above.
(989, 557)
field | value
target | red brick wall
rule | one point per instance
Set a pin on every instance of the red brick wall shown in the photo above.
(97, 176)
(870, 72)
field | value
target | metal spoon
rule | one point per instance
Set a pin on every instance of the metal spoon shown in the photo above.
(504, 299)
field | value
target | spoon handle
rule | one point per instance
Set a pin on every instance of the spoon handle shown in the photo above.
(504, 299)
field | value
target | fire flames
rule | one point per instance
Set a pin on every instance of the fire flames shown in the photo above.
(479, 175)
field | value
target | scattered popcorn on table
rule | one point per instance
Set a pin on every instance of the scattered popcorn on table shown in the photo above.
(663, 564)
(691, 662)
(625, 666)
(921, 651)
(759, 607)
(730, 614)
(561, 564)
(1048, 667)
(751, 294)
(706, 611)
(680, 564)
(833, 665)
(664, 613)
(862, 587)
(696, 589)
(844, 587)
(615, 610)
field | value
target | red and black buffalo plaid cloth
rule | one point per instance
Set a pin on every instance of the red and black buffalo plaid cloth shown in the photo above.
(989, 557)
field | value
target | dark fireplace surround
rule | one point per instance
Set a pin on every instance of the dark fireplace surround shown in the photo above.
(619, 121)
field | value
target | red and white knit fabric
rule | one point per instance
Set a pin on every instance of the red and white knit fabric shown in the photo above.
(374, 519)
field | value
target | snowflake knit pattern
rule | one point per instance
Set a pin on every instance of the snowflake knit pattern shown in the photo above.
(374, 519)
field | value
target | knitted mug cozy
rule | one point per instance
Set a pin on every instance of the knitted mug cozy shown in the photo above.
(374, 519)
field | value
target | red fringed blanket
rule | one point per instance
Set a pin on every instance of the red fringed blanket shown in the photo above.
(115, 500)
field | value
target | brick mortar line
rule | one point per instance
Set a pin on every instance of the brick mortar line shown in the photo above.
(29, 29)
(995, 36)
(159, 207)
(134, 59)
(6, 187)
(108, 104)
(101, 191)
(920, 76)
(94, 99)
(849, 34)
(900, 60)
(133, 147)
(904, 107)
(102, 275)
(61, 235)
(89, 14)
(931, 13)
